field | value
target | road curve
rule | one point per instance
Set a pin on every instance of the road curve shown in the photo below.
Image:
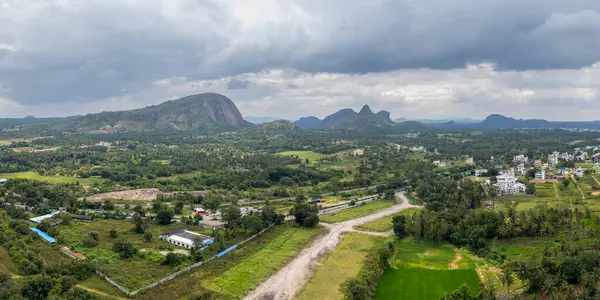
(290, 280)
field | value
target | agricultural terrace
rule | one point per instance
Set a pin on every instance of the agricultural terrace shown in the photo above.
(53, 179)
(357, 212)
(341, 264)
(428, 270)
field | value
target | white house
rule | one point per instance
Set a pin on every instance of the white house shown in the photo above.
(579, 172)
(3, 180)
(541, 175)
(521, 169)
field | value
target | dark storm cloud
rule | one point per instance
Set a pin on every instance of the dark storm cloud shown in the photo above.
(55, 51)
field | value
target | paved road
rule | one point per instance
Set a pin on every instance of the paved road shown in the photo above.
(290, 280)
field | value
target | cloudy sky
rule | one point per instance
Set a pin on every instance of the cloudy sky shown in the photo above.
(292, 58)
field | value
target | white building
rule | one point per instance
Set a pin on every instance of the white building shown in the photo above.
(579, 172)
(521, 169)
(541, 175)
(185, 238)
(480, 172)
(2, 180)
(521, 159)
(507, 184)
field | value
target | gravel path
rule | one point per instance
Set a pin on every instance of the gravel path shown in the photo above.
(286, 283)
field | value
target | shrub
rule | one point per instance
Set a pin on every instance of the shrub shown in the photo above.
(89, 242)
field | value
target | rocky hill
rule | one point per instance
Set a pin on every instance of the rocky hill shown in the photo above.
(201, 112)
(349, 119)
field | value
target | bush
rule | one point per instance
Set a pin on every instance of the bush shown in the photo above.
(89, 242)
(148, 236)
(124, 248)
(173, 259)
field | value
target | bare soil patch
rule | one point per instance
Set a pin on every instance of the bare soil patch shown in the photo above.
(148, 194)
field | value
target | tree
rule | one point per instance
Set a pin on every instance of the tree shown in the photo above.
(269, 215)
(355, 289)
(113, 233)
(399, 223)
(301, 211)
(232, 215)
(179, 207)
(173, 259)
(253, 223)
(197, 252)
(37, 287)
(310, 221)
(7, 286)
(124, 248)
(89, 242)
(164, 216)
(78, 294)
(506, 278)
(148, 236)
(140, 223)
(95, 235)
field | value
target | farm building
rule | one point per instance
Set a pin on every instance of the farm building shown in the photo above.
(200, 210)
(213, 224)
(39, 219)
(71, 253)
(185, 238)
(43, 235)
(81, 218)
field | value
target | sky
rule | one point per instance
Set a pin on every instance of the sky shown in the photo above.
(294, 58)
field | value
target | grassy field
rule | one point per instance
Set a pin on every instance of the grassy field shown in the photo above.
(52, 179)
(357, 212)
(106, 291)
(385, 223)
(131, 273)
(428, 270)
(256, 268)
(6, 263)
(423, 284)
(343, 263)
(189, 285)
(585, 165)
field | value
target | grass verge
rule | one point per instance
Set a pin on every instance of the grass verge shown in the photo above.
(52, 179)
(256, 268)
(343, 263)
(384, 224)
(357, 212)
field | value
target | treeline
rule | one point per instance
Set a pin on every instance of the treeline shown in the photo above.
(377, 260)
(41, 280)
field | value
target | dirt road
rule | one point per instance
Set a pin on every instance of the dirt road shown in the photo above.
(286, 283)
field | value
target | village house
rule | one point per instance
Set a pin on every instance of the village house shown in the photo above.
(579, 172)
(3, 180)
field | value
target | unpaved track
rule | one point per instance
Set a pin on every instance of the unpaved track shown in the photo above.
(286, 283)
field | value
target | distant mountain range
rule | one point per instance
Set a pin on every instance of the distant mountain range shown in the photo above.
(439, 121)
(349, 119)
(210, 112)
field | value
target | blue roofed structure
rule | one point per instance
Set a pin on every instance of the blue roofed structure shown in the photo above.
(43, 235)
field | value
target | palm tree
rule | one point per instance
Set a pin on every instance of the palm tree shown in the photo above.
(507, 278)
